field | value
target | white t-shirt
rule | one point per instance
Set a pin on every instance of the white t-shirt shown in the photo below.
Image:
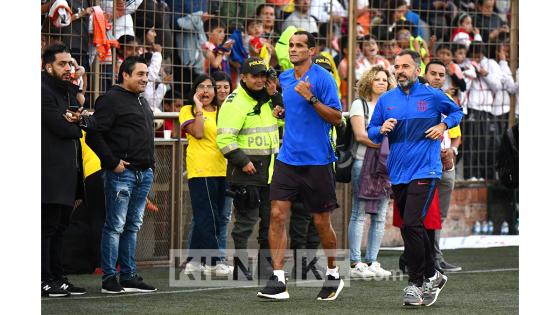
(357, 109)
(305, 22)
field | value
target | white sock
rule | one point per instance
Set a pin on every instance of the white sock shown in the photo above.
(333, 272)
(280, 275)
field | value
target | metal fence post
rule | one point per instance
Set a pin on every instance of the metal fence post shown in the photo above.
(347, 192)
(177, 189)
(514, 55)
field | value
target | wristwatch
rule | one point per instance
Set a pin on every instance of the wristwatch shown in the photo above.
(455, 151)
(313, 99)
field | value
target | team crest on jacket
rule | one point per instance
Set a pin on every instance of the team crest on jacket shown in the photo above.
(422, 106)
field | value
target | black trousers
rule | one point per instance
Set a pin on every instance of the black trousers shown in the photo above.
(54, 221)
(245, 221)
(95, 202)
(413, 201)
(304, 238)
(303, 233)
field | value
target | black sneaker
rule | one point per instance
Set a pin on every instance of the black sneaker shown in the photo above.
(50, 289)
(137, 284)
(65, 284)
(111, 286)
(331, 289)
(274, 289)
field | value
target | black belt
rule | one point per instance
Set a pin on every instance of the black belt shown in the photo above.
(137, 168)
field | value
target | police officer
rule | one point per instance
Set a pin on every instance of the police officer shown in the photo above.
(248, 138)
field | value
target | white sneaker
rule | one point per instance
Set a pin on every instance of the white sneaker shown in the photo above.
(362, 271)
(378, 272)
(194, 268)
(220, 270)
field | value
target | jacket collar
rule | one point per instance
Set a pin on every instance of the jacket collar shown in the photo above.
(413, 88)
(260, 96)
(121, 89)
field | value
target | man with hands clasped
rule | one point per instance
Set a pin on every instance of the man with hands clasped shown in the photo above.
(410, 116)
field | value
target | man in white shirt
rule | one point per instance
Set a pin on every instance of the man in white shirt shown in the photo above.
(301, 18)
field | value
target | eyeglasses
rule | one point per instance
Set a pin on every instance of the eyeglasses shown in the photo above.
(205, 87)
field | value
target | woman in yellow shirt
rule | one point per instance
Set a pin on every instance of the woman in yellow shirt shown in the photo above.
(206, 171)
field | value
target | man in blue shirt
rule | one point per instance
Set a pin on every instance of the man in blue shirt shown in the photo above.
(410, 116)
(304, 165)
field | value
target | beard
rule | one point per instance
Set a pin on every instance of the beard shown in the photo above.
(406, 84)
(63, 76)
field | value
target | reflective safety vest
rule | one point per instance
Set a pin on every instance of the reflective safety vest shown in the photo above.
(241, 127)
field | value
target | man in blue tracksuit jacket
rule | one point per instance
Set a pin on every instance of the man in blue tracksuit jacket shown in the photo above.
(410, 116)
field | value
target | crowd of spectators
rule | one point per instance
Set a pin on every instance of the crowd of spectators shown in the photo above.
(183, 39)
(194, 47)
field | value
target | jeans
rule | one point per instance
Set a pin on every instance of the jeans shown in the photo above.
(125, 200)
(226, 218)
(357, 219)
(209, 218)
(445, 190)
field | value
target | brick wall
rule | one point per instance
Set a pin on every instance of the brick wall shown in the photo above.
(468, 204)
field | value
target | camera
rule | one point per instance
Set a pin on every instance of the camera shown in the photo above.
(236, 192)
(244, 197)
(271, 73)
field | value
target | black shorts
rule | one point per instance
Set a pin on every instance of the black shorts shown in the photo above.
(314, 185)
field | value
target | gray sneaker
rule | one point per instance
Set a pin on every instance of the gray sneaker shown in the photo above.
(412, 295)
(432, 287)
(447, 267)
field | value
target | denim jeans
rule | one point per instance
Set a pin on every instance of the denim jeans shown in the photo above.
(209, 220)
(357, 219)
(125, 200)
(226, 218)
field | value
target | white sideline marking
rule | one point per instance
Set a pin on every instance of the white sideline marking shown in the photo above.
(105, 296)
(485, 271)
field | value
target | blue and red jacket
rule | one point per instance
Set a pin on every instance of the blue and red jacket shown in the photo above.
(412, 155)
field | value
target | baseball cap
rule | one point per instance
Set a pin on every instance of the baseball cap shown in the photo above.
(323, 62)
(253, 65)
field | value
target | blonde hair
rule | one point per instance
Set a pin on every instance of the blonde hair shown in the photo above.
(364, 85)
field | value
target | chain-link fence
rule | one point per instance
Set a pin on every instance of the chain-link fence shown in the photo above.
(478, 41)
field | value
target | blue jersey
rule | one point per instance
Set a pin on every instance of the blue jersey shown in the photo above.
(413, 156)
(306, 135)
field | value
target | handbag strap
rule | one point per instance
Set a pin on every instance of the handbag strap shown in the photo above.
(366, 111)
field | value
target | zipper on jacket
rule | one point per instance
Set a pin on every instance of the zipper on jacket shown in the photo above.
(74, 140)
(76, 152)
